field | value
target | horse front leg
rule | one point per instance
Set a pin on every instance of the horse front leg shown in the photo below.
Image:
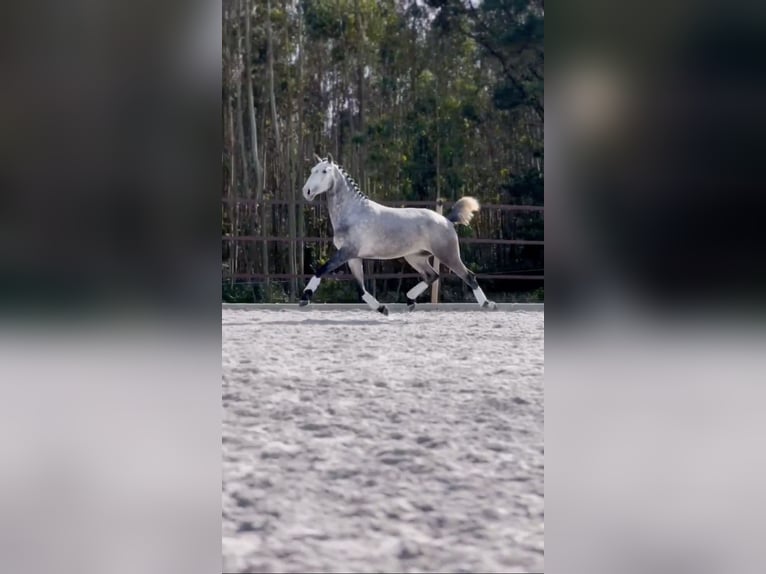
(309, 291)
(340, 258)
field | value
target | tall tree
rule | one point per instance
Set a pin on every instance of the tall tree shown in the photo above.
(248, 14)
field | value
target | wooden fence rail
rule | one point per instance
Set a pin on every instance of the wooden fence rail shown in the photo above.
(498, 206)
(255, 238)
(375, 275)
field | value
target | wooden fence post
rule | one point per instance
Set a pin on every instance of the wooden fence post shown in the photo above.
(437, 263)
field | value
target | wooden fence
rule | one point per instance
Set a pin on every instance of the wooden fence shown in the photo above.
(251, 268)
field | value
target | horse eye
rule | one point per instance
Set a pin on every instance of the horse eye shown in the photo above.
(324, 171)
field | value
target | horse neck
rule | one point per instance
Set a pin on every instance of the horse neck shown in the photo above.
(341, 198)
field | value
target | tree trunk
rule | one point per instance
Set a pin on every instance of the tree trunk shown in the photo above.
(290, 197)
(251, 106)
(265, 209)
(361, 156)
(301, 144)
(242, 150)
(233, 210)
(277, 144)
(240, 128)
(240, 124)
(274, 119)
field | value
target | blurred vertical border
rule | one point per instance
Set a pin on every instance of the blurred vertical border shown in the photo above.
(110, 168)
(655, 286)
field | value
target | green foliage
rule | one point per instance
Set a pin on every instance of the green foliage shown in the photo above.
(465, 231)
(527, 188)
(255, 292)
(276, 293)
(324, 19)
(238, 293)
(510, 34)
(331, 291)
(508, 96)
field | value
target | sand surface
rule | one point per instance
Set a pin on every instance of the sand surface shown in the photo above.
(354, 442)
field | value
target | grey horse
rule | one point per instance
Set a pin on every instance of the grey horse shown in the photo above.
(363, 229)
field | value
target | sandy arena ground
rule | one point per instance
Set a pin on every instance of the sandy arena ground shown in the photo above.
(354, 442)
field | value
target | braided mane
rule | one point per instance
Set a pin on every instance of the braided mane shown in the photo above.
(350, 180)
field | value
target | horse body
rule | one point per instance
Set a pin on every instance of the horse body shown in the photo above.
(404, 231)
(364, 229)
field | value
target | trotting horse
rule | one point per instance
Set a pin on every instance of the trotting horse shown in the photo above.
(364, 229)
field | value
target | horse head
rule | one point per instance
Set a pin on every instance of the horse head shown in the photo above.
(321, 179)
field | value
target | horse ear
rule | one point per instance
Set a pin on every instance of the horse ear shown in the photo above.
(330, 156)
(319, 159)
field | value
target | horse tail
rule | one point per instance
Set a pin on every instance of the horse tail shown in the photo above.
(463, 210)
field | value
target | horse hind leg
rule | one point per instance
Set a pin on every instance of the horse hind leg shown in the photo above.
(357, 271)
(420, 263)
(453, 261)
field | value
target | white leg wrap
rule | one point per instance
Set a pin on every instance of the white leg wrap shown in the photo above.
(370, 300)
(415, 292)
(480, 296)
(314, 283)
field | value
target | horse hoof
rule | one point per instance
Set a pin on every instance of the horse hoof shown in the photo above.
(410, 307)
(491, 305)
(383, 309)
(303, 302)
